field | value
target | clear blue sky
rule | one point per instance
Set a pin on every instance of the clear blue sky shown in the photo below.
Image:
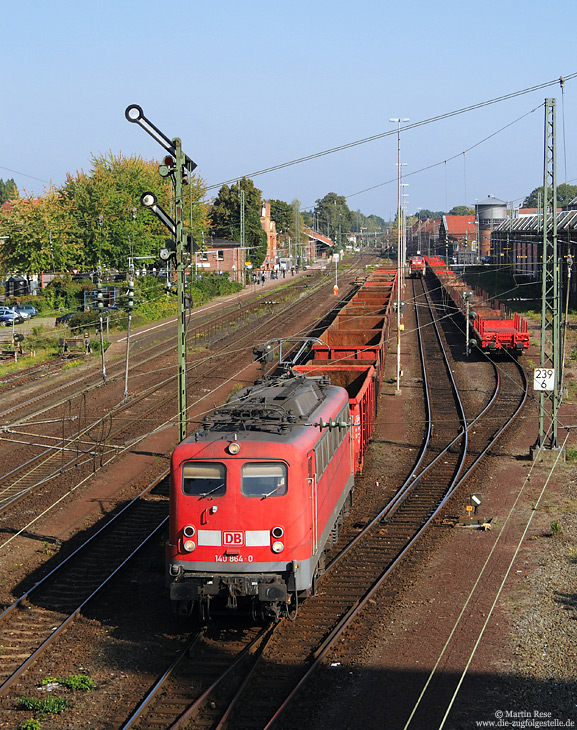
(254, 84)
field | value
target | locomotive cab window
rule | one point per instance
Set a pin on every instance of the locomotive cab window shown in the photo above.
(263, 480)
(203, 479)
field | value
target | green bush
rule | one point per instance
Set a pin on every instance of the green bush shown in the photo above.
(63, 293)
(90, 320)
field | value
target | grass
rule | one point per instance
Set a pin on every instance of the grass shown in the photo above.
(42, 706)
(7, 367)
(571, 454)
(75, 682)
(556, 527)
(71, 364)
(31, 724)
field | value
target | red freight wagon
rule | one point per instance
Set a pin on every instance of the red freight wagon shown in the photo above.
(361, 384)
(492, 329)
(502, 334)
(383, 275)
(370, 298)
(358, 322)
(354, 344)
(364, 309)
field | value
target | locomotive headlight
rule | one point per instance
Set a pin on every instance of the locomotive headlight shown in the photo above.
(277, 546)
(189, 531)
(189, 545)
(234, 448)
(277, 532)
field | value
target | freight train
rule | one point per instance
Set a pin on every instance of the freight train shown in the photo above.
(492, 328)
(258, 494)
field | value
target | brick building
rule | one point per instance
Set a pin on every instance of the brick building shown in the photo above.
(220, 256)
(269, 227)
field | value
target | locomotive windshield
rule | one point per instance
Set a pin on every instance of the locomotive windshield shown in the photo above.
(203, 479)
(263, 480)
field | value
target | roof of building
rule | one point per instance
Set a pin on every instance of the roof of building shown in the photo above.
(459, 225)
(221, 243)
(430, 225)
(319, 237)
(490, 200)
(533, 223)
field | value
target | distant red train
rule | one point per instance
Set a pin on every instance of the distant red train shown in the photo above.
(492, 328)
(416, 267)
(258, 494)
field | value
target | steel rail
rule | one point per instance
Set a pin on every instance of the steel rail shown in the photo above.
(356, 608)
(60, 629)
(352, 610)
(57, 632)
(254, 302)
(56, 450)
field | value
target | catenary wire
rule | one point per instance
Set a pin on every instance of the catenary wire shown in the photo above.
(388, 133)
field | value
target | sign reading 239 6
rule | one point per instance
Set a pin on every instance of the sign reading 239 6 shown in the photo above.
(544, 379)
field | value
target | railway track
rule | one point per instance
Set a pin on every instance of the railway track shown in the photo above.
(294, 649)
(38, 618)
(355, 574)
(30, 625)
(102, 440)
(202, 325)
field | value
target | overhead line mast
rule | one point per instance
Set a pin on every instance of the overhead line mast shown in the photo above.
(549, 401)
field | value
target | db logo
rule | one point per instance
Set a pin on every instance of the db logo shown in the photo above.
(233, 538)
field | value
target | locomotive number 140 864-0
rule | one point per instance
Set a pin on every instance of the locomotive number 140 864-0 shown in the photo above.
(233, 558)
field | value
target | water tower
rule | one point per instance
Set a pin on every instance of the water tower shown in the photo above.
(490, 213)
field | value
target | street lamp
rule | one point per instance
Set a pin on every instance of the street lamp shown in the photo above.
(398, 121)
(404, 196)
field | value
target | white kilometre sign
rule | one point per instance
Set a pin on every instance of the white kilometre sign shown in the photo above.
(544, 379)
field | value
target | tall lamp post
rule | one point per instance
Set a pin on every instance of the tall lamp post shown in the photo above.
(398, 121)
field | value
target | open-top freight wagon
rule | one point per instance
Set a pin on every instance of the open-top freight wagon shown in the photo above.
(493, 328)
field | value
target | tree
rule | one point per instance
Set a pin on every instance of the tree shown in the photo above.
(462, 210)
(225, 218)
(96, 217)
(371, 223)
(108, 218)
(8, 190)
(425, 214)
(38, 235)
(283, 215)
(333, 217)
(565, 194)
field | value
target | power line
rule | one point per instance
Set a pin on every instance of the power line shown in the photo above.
(449, 159)
(381, 135)
(17, 172)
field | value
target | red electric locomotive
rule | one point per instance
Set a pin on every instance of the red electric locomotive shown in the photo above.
(257, 496)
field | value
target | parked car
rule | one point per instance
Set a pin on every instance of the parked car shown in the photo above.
(29, 309)
(65, 318)
(21, 312)
(9, 317)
